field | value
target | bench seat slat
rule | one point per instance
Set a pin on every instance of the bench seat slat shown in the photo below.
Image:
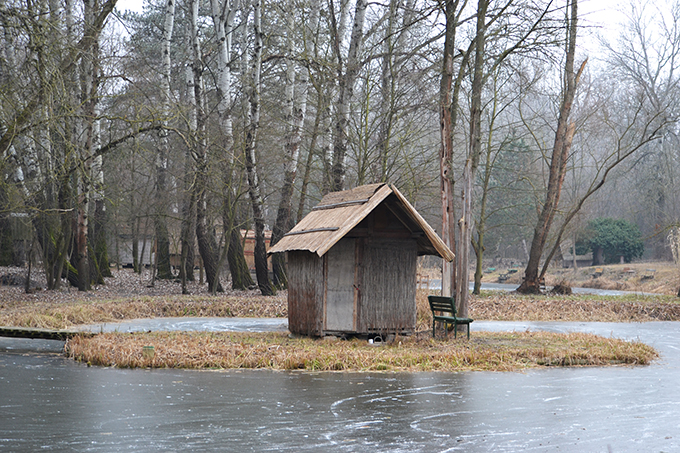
(453, 318)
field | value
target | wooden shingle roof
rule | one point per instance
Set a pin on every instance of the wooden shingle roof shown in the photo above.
(339, 212)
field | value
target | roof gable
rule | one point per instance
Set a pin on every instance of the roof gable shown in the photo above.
(339, 212)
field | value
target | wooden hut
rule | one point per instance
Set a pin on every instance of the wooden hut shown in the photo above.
(352, 263)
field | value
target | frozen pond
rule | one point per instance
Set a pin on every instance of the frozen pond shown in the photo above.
(194, 324)
(49, 403)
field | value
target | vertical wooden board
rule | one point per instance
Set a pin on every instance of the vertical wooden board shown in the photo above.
(358, 281)
(340, 287)
(305, 293)
(389, 285)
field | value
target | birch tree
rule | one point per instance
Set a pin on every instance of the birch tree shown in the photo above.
(347, 75)
(254, 190)
(295, 108)
(207, 243)
(161, 205)
(223, 15)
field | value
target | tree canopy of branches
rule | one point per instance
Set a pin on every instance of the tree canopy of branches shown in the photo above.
(172, 133)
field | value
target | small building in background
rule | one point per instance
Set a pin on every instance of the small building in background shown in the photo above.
(249, 247)
(352, 263)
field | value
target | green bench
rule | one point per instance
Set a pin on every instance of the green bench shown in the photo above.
(447, 307)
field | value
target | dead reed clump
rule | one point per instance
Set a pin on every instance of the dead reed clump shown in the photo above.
(608, 284)
(505, 351)
(562, 288)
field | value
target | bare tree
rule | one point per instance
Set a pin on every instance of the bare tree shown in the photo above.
(347, 75)
(295, 108)
(223, 14)
(161, 214)
(448, 106)
(261, 268)
(558, 162)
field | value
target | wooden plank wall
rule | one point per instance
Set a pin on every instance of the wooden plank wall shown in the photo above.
(305, 293)
(340, 286)
(388, 286)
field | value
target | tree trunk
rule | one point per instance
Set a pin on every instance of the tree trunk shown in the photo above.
(558, 163)
(261, 268)
(161, 208)
(223, 19)
(88, 91)
(465, 224)
(186, 267)
(446, 125)
(99, 243)
(207, 243)
(387, 90)
(295, 111)
(346, 90)
(240, 274)
(310, 159)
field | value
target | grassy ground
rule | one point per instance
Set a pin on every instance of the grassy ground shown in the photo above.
(486, 351)
(68, 314)
(647, 277)
(489, 306)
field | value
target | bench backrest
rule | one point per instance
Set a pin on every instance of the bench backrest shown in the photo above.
(443, 304)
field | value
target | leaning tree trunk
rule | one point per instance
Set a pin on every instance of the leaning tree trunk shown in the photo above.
(261, 268)
(186, 265)
(558, 164)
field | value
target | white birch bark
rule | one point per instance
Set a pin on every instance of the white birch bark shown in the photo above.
(295, 110)
(223, 19)
(346, 90)
(161, 203)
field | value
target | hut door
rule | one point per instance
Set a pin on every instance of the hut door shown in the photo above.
(340, 305)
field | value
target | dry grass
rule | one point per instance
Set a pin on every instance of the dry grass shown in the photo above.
(486, 351)
(513, 307)
(585, 308)
(64, 315)
(496, 306)
(622, 277)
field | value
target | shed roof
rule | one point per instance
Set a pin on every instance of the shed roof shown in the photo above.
(339, 212)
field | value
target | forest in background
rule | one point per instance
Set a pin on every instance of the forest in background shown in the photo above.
(185, 123)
